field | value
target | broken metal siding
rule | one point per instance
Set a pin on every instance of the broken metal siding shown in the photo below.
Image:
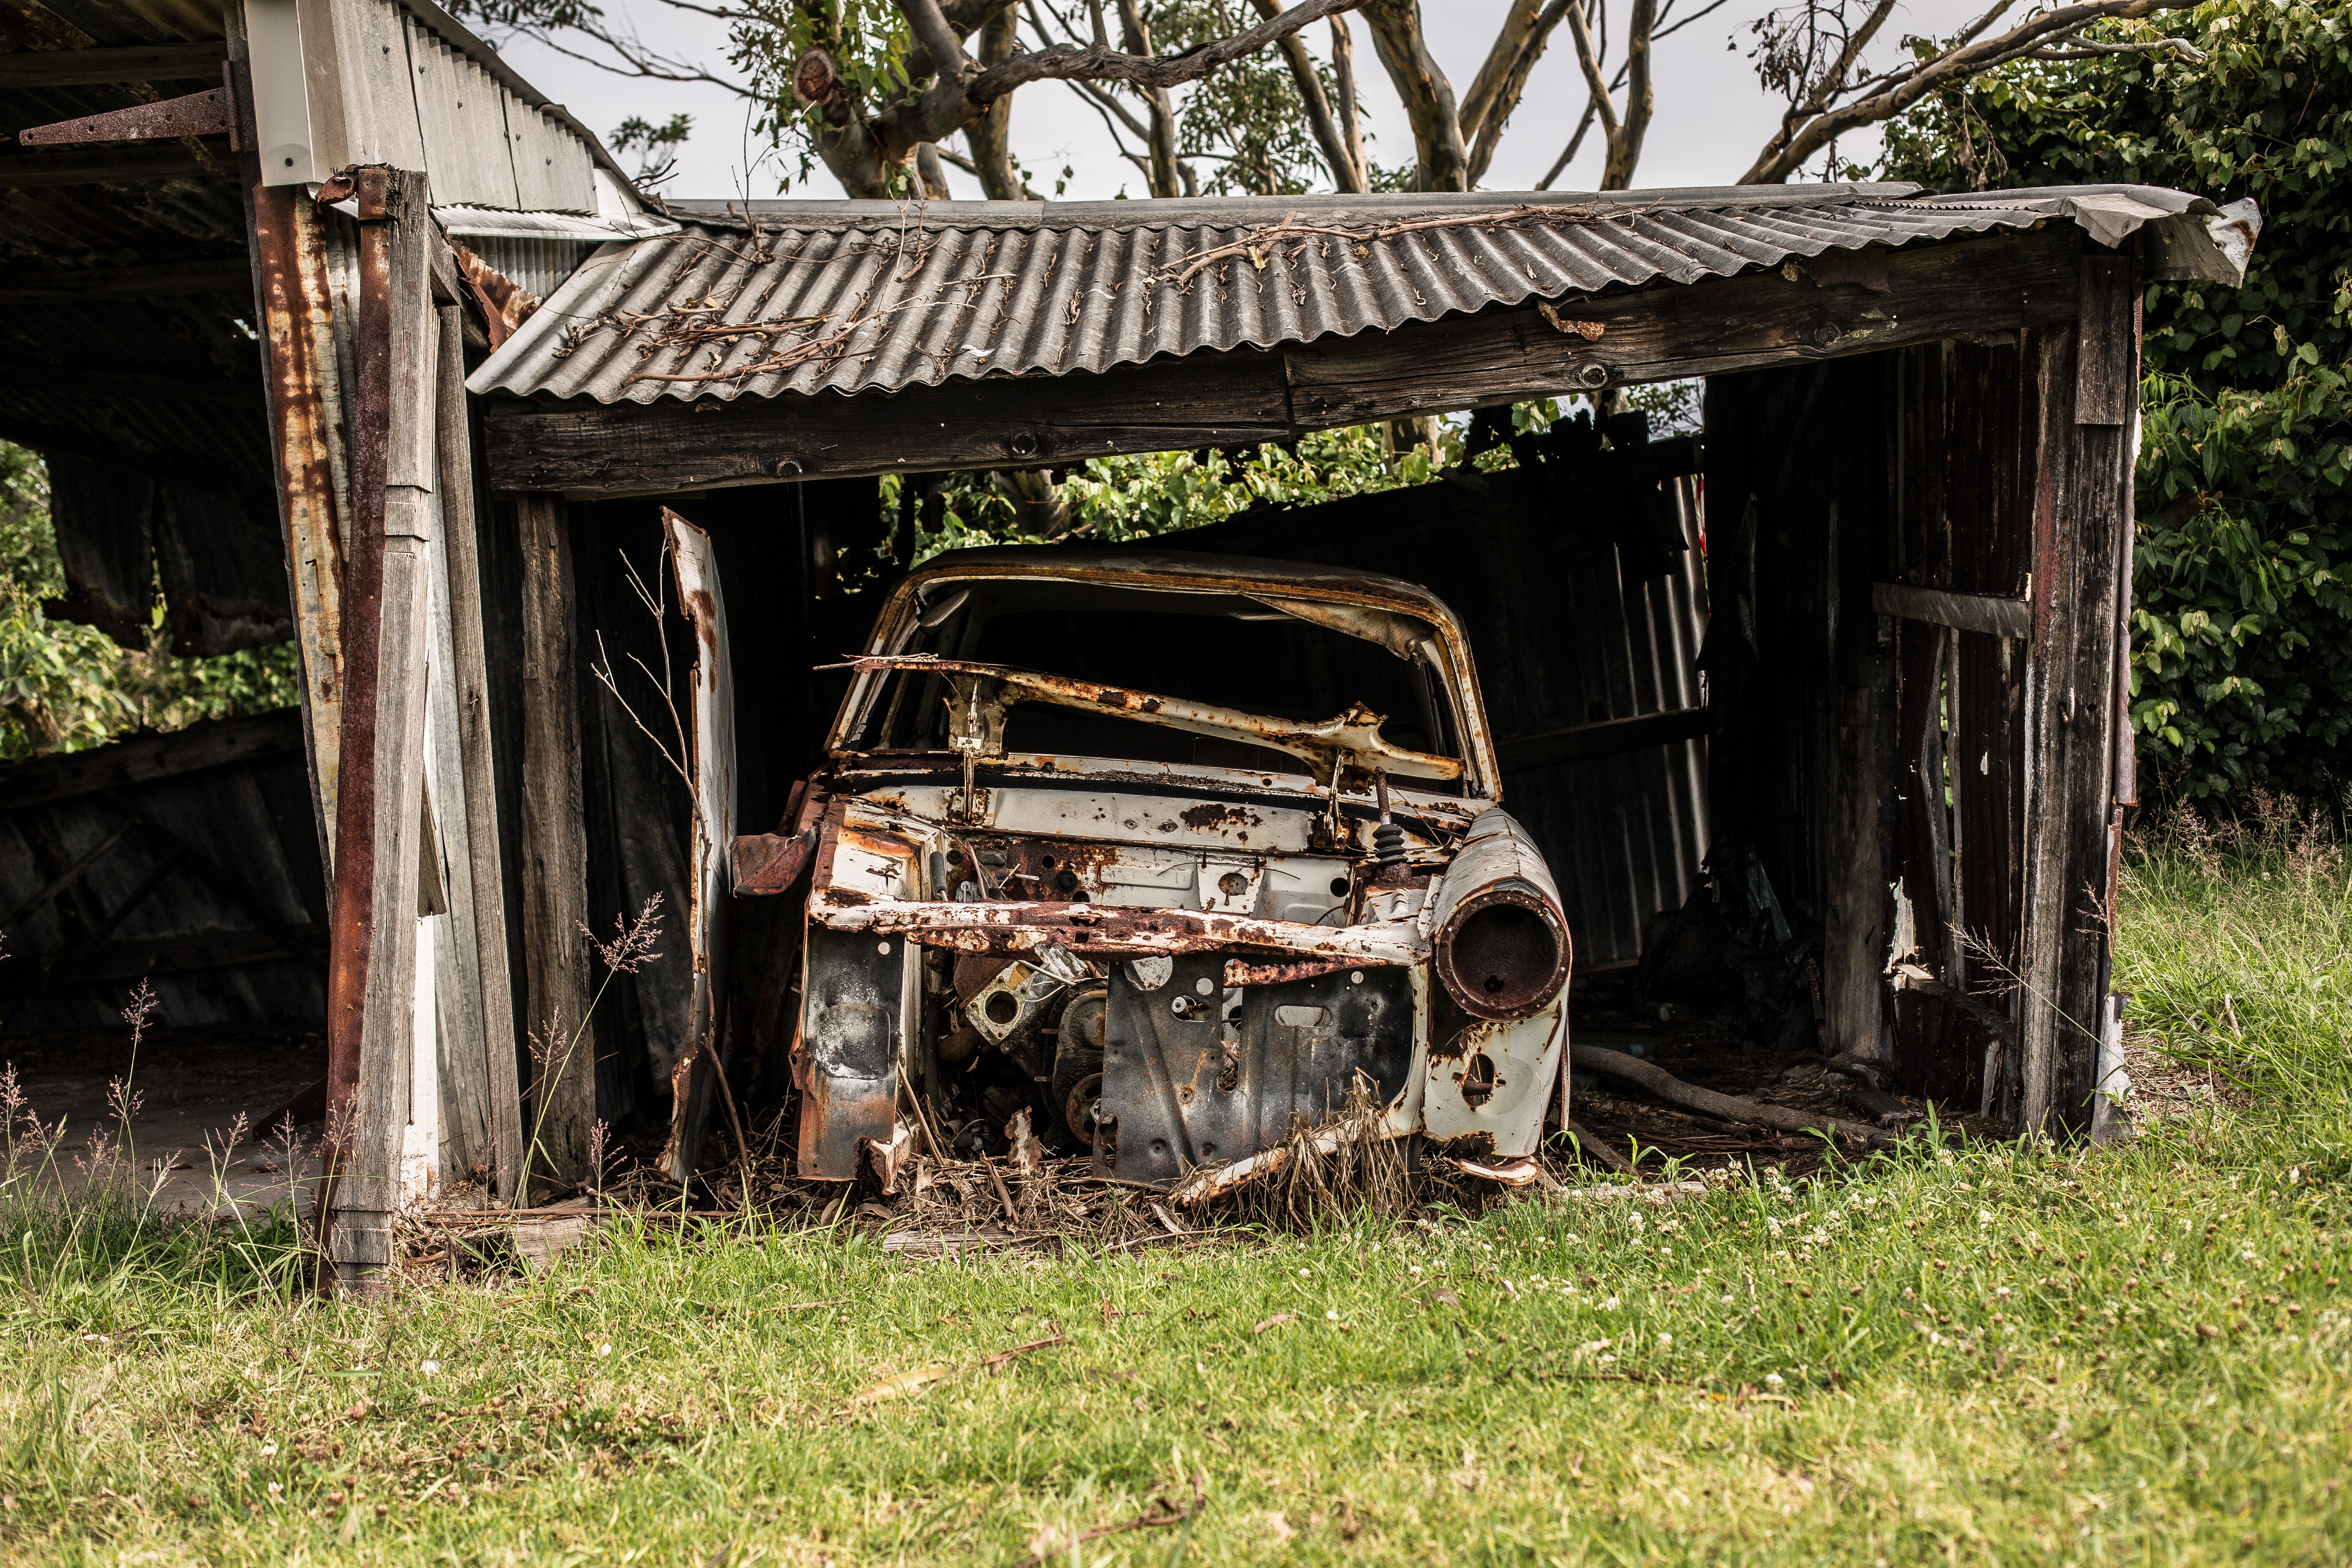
(874, 296)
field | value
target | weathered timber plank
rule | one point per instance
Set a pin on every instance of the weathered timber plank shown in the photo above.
(1990, 612)
(1607, 738)
(372, 1022)
(470, 674)
(584, 448)
(1668, 330)
(215, 743)
(2106, 385)
(2083, 519)
(554, 848)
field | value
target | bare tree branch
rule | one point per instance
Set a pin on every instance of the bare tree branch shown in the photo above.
(1802, 137)
(1063, 62)
(1487, 110)
(1343, 75)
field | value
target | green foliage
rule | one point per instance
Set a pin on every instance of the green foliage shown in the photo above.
(867, 40)
(2242, 667)
(63, 686)
(1245, 119)
(1138, 496)
(655, 145)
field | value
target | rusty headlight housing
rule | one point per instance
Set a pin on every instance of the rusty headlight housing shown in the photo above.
(1499, 941)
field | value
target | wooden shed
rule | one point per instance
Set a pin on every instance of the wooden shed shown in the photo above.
(1861, 640)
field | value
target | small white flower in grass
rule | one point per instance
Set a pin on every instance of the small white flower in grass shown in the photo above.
(1666, 1342)
(2293, 1175)
(2001, 1291)
(1984, 1218)
(1302, 1274)
(275, 1488)
(1416, 1267)
(429, 1368)
(1610, 1305)
(1726, 1298)
(605, 1348)
(1772, 1380)
(2248, 1255)
(1331, 1316)
(268, 1450)
(1570, 1239)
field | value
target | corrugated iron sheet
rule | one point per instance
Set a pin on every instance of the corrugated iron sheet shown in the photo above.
(763, 298)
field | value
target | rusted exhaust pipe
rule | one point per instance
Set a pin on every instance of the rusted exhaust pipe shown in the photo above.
(1500, 940)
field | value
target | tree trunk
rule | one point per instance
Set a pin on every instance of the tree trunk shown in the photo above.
(990, 136)
(1403, 48)
(1347, 172)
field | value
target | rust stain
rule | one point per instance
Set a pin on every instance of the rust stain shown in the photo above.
(1211, 818)
(506, 305)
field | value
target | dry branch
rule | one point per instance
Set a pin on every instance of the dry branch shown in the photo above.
(1729, 1107)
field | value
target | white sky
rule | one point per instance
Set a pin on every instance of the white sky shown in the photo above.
(1711, 119)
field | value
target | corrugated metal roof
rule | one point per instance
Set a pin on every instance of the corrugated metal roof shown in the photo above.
(769, 297)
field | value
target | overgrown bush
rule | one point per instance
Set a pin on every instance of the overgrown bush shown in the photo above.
(2241, 670)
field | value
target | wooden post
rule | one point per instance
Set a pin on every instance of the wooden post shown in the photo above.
(372, 980)
(482, 871)
(2081, 530)
(554, 851)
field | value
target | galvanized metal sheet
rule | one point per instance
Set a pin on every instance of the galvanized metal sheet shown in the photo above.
(763, 298)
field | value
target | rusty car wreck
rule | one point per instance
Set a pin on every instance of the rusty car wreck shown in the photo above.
(1166, 930)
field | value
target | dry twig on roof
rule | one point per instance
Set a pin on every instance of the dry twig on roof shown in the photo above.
(1182, 272)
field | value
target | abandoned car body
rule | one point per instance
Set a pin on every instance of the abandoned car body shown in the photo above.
(1166, 906)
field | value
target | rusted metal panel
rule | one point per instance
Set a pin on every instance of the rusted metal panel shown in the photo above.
(1198, 1072)
(708, 923)
(855, 296)
(846, 1062)
(297, 327)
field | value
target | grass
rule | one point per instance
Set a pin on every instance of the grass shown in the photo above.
(2140, 1353)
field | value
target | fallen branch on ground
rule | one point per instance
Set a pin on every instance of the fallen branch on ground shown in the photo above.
(1729, 1106)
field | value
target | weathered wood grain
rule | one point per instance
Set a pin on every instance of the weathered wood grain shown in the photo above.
(554, 849)
(1989, 612)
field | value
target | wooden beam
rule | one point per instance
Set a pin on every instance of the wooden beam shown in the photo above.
(1607, 738)
(125, 63)
(490, 1012)
(228, 275)
(554, 846)
(2083, 521)
(213, 743)
(586, 448)
(1989, 612)
(116, 165)
(371, 981)
(1661, 332)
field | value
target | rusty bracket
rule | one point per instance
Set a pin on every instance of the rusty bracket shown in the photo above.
(206, 113)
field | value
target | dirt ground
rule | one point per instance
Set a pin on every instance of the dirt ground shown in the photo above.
(190, 1085)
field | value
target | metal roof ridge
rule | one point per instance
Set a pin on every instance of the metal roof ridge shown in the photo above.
(1204, 212)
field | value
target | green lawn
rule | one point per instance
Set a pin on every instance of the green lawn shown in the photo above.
(2137, 1353)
